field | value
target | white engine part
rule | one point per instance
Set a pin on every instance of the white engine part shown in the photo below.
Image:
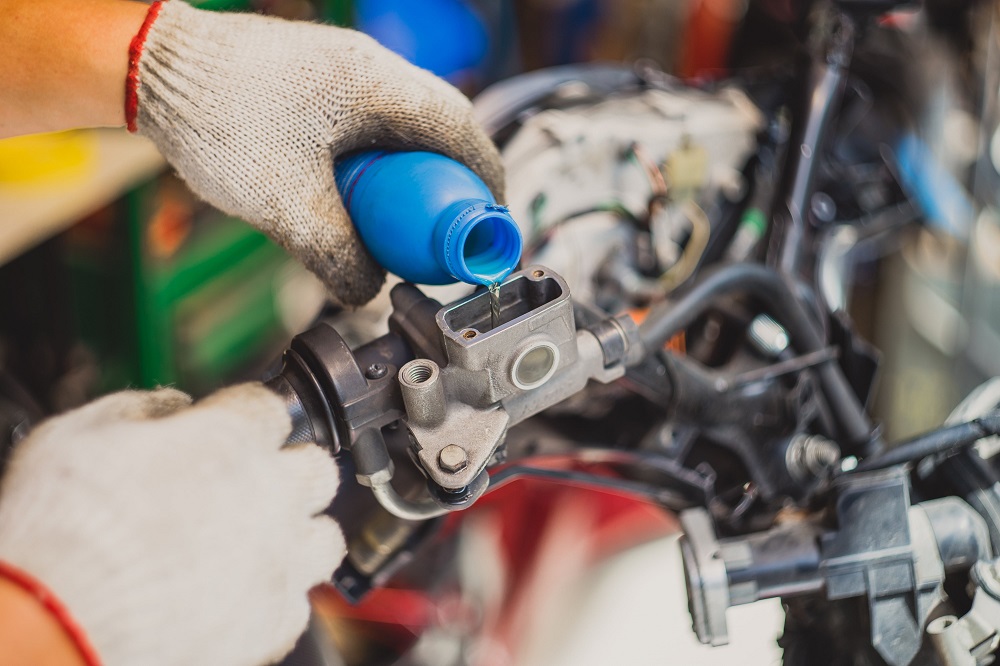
(577, 159)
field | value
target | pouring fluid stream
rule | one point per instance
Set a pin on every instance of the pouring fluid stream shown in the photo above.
(494, 288)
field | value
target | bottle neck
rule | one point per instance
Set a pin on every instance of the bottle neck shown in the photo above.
(477, 241)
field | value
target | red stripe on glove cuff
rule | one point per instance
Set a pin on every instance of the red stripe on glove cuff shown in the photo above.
(134, 52)
(55, 608)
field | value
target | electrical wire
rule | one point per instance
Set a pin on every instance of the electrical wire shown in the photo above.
(946, 440)
(701, 231)
(678, 488)
(701, 226)
(658, 185)
(657, 182)
(658, 196)
(546, 236)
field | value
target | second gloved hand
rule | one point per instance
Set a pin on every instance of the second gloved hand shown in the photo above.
(252, 110)
(174, 533)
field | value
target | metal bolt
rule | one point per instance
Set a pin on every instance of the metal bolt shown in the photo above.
(376, 371)
(810, 457)
(768, 336)
(453, 459)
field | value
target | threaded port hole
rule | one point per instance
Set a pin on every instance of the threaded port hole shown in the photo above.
(537, 273)
(418, 374)
(470, 333)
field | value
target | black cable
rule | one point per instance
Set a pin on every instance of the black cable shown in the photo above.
(662, 496)
(773, 292)
(731, 217)
(945, 440)
(545, 236)
(679, 488)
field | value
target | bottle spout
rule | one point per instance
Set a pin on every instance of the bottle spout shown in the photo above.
(479, 241)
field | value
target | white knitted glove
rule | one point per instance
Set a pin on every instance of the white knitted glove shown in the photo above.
(175, 534)
(252, 110)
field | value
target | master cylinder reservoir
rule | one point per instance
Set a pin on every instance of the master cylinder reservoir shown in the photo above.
(428, 218)
(534, 337)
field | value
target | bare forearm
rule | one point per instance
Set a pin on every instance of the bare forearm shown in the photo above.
(28, 634)
(63, 63)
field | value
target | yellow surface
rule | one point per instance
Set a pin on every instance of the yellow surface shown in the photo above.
(31, 212)
(48, 158)
(687, 170)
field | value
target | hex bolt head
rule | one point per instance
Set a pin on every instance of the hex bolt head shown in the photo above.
(376, 371)
(811, 457)
(453, 458)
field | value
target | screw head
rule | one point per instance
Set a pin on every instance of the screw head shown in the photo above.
(453, 458)
(376, 371)
(823, 207)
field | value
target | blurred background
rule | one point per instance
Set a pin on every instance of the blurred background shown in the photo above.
(113, 275)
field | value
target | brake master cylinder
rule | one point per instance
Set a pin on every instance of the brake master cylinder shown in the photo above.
(428, 218)
(451, 380)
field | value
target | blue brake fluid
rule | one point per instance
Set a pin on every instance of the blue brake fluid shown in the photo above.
(428, 218)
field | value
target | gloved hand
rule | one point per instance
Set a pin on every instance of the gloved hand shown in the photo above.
(174, 533)
(251, 111)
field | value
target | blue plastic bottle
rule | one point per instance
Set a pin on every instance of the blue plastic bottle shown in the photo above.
(428, 218)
